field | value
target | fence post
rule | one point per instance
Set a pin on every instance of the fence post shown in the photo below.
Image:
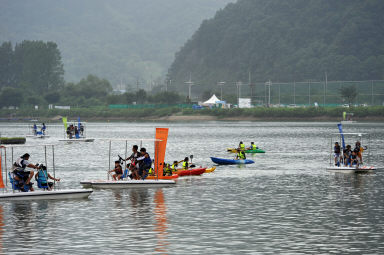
(371, 92)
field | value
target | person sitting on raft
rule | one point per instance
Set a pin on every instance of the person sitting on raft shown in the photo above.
(185, 163)
(354, 159)
(337, 150)
(347, 152)
(359, 151)
(118, 171)
(240, 154)
(43, 128)
(34, 129)
(253, 146)
(42, 176)
(167, 170)
(145, 163)
(20, 174)
(241, 146)
(174, 166)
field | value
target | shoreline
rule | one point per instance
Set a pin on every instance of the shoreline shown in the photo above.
(203, 118)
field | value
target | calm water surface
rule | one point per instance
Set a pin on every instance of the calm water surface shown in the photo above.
(284, 203)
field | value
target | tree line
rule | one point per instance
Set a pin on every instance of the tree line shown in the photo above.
(285, 41)
(31, 73)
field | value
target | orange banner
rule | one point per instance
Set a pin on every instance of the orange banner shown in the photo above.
(160, 147)
(1, 174)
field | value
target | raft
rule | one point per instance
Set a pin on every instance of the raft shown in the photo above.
(195, 171)
(223, 161)
(234, 150)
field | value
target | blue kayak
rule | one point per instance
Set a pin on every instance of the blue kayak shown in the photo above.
(223, 161)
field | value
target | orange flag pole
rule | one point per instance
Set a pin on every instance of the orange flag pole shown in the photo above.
(2, 186)
(160, 148)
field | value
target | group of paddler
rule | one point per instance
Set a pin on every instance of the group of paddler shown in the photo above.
(241, 150)
(140, 166)
(21, 177)
(347, 156)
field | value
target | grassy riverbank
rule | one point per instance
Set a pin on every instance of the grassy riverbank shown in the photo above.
(375, 113)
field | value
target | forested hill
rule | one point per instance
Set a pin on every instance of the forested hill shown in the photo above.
(286, 41)
(119, 39)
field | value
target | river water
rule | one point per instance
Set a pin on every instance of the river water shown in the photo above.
(285, 203)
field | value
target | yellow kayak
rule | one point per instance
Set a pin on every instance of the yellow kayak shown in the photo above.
(210, 170)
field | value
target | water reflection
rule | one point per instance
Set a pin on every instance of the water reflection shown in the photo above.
(161, 222)
(1, 228)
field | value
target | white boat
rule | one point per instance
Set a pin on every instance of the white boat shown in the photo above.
(348, 121)
(47, 195)
(76, 132)
(160, 147)
(347, 118)
(107, 184)
(34, 133)
(342, 168)
(14, 193)
(347, 169)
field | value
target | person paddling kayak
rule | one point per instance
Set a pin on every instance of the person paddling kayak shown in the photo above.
(240, 154)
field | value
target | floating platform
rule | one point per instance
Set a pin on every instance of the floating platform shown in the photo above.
(347, 169)
(46, 195)
(104, 184)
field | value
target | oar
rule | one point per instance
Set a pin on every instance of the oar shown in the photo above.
(192, 165)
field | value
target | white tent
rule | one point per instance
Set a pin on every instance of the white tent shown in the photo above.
(212, 101)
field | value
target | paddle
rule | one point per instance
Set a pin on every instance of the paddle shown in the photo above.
(192, 165)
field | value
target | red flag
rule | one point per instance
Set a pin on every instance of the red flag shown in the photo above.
(160, 147)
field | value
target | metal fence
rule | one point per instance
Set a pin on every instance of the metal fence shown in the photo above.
(308, 93)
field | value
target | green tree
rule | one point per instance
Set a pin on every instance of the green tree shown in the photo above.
(11, 97)
(52, 97)
(348, 93)
(7, 75)
(38, 66)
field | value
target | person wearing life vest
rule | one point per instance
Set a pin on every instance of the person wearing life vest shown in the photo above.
(174, 166)
(167, 170)
(20, 172)
(242, 146)
(151, 172)
(185, 163)
(252, 147)
(240, 154)
(42, 176)
(145, 163)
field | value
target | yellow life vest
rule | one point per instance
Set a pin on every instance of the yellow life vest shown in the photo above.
(242, 146)
(254, 147)
(150, 172)
(241, 155)
(185, 165)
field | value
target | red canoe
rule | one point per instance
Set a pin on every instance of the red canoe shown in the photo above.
(194, 171)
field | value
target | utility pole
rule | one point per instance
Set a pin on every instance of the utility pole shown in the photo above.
(269, 84)
(190, 83)
(221, 84)
(238, 84)
(309, 92)
(250, 84)
(325, 88)
(294, 92)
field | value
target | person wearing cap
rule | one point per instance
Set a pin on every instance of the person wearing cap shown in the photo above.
(21, 174)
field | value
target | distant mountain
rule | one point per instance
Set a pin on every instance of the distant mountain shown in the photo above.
(118, 40)
(293, 40)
